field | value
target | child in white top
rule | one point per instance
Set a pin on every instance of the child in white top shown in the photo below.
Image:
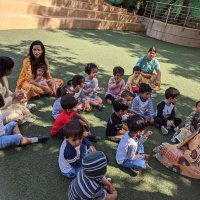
(91, 86)
(130, 151)
(41, 80)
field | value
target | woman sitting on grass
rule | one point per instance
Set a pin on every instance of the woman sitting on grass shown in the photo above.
(29, 72)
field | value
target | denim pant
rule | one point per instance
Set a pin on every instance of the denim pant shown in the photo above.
(74, 170)
(136, 164)
(9, 139)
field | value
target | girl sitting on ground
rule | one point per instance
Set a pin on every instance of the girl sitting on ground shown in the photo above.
(116, 85)
(92, 87)
(41, 80)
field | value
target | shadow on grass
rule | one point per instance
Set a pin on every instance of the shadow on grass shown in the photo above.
(32, 172)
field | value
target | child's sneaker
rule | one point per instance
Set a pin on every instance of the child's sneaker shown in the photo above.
(164, 130)
(109, 101)
(43, 138)
(176, 128)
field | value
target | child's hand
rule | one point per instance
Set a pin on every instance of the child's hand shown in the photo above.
(146, 156)
(148, 133)
(92, 149)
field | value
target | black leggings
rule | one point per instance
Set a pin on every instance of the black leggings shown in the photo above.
(162, 122)
(110, 97)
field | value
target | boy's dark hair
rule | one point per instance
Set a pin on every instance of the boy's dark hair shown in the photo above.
(66, 89)
(73, 129)
(152, 49)
(136, 123)
(76, 80)
(136, 68)
(197, 103)
(6, 63)
(127, 93)
(68, 102)
(2, 102)
(145, 88)
(119, 104)
(89, 67)
(118, 70)
(171, 92)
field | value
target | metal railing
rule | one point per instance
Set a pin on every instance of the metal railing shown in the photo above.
(173, 14)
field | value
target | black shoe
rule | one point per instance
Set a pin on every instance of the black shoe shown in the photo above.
(92, 138)
(100, 107)
(43, 139)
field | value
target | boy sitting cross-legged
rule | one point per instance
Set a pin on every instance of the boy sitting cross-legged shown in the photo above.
(73, 149)
(130, 151)
(115, 128)
(166, 111)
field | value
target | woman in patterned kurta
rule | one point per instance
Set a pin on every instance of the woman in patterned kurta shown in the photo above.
(15, 102)
(26, 78)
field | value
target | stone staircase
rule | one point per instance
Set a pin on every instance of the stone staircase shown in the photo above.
(65, 14)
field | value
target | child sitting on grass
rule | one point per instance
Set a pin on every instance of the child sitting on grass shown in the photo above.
(10, 134)
(57, 108)
(142, 104)
(68, 103)
(116, 85)
(90, 182)
(130, 151)
(73, 149)
(92, 86)
(115, 127)
(192, 122)
(42, 81)
(134, 81)
(165, 117)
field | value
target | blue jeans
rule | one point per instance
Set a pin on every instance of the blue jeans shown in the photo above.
(9, 139)
(136, 164)
(74, 171)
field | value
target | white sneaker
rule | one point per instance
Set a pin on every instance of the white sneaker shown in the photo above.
(109, 101)
(176, 128)
(164, 130)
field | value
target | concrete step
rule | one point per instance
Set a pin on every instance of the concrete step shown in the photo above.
(61, 2)
(81, 4)
(42, 22)
(13, 7)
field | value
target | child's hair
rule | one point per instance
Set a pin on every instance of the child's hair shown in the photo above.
(197, 103)
(95, 165)
(153, 49)
(66, 89)
(145, 88)
(68, 102)
(118, 70)
(76, 80)
(6, 63)
(89, 67)
(127, 93)
(119, 105)
(136, 68)
(73, 129)
(136, 123)
(43, 67)
(171, 92)
(2, 102)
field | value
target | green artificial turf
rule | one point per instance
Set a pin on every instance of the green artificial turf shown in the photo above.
(32, 172)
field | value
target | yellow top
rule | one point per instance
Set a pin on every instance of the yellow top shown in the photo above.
(26, 72)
